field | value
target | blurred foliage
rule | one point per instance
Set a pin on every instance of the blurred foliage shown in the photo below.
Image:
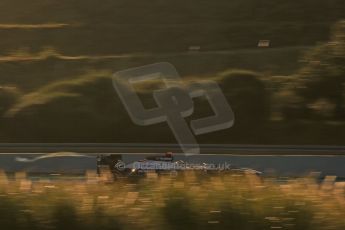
(88, 107)
(190, 200)
(243, 88)
(323, 74)
(131, 26)
(57, 57)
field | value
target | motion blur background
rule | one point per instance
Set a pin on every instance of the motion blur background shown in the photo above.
(280, 64)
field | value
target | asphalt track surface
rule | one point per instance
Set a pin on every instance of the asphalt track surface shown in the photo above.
(282, 160)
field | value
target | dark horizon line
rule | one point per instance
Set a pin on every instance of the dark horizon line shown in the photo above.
(124, 148)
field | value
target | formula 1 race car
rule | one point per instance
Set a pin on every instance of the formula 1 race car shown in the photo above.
(160, 164)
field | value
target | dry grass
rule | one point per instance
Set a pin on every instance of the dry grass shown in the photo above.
(189, 201)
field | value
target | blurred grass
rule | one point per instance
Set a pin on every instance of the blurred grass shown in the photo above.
(191, 200)
(127, 26)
